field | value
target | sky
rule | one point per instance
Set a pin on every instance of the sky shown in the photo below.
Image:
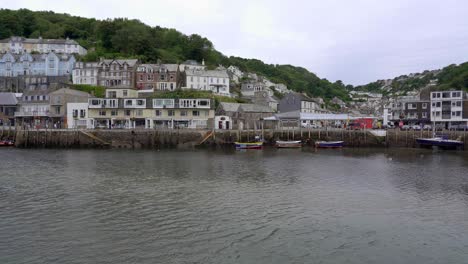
(356, 41)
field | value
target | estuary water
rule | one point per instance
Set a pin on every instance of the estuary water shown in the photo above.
(227, 206)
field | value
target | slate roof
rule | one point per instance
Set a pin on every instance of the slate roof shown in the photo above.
(8, 99)
(209, 73)
(229, 107)
(40, 41)
(254, 108)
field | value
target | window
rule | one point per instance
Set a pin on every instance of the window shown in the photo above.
(412, 106)
(424, 106)
(82, 113)
(170, 113)
(183, 113)
(128, 112)
(438, 104)
(196, 113)
(139, 112)
(128, 102)
(424, 115)
(158, 112)
(140, 102)
(446, 95)
(114, 112)
(456, 94)
(125, 93)
(102, 112)
(75, 113)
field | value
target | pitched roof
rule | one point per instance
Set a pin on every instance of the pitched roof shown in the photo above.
(229, 107)
(70, 91)
(8, 99)
(39, 40)
(256, 108)
(130, 62)
(209, 73)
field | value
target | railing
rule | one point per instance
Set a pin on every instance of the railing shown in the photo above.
(32, 113)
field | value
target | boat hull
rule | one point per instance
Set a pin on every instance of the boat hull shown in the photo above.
(249, 145)
(329, 144)
(439, 142)
(288, 144)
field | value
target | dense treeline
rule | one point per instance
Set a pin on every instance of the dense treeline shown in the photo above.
(448, 78)
(124, 38)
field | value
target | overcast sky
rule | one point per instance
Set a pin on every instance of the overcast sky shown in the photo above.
(356, 41)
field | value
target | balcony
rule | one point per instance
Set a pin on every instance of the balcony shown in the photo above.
(31, 113)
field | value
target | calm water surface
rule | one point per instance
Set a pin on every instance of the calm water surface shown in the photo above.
(270, 206)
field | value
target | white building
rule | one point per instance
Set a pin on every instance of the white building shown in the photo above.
(216, 81)
(191, 65)
(449, 107)
(19, 45)
(77, 116)
(85, 73)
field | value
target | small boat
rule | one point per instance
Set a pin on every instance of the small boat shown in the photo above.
(7, 143)
(248, 145)
(442, 142)
(329, 144)
(288, 144)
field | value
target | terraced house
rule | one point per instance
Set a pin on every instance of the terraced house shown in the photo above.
(30, 71)
(163, 77)
(134, 112)
(19, 45)
(117, 73)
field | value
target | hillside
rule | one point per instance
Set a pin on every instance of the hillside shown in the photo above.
(124, 38)
(450, 77)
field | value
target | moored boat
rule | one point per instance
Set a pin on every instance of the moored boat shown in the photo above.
(329, 144)
(288, 144)
(7, 143)
(248, 145)
(442, 142)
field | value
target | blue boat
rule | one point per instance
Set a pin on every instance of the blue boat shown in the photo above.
(329, 144)
(442, 142)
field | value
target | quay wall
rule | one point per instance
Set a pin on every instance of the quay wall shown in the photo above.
(187, 138)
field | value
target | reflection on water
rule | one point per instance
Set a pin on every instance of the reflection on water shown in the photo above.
(270, 206)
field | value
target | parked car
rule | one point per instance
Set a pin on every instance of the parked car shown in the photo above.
(310, 125)
(405, 127)
(416, 127)
(427, 127)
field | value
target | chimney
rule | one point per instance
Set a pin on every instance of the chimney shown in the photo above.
(203, 62)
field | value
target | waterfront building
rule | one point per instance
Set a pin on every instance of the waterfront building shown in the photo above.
(77, 116)
(241, 116)
(19, 45)
(59, 100)
(216, 81)
(449, 108)
(181, 113)
(164, 77)
(417, 112)
(8, 106)
(44, 109)
(150, 113)
(300, 102)
(33, 110)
